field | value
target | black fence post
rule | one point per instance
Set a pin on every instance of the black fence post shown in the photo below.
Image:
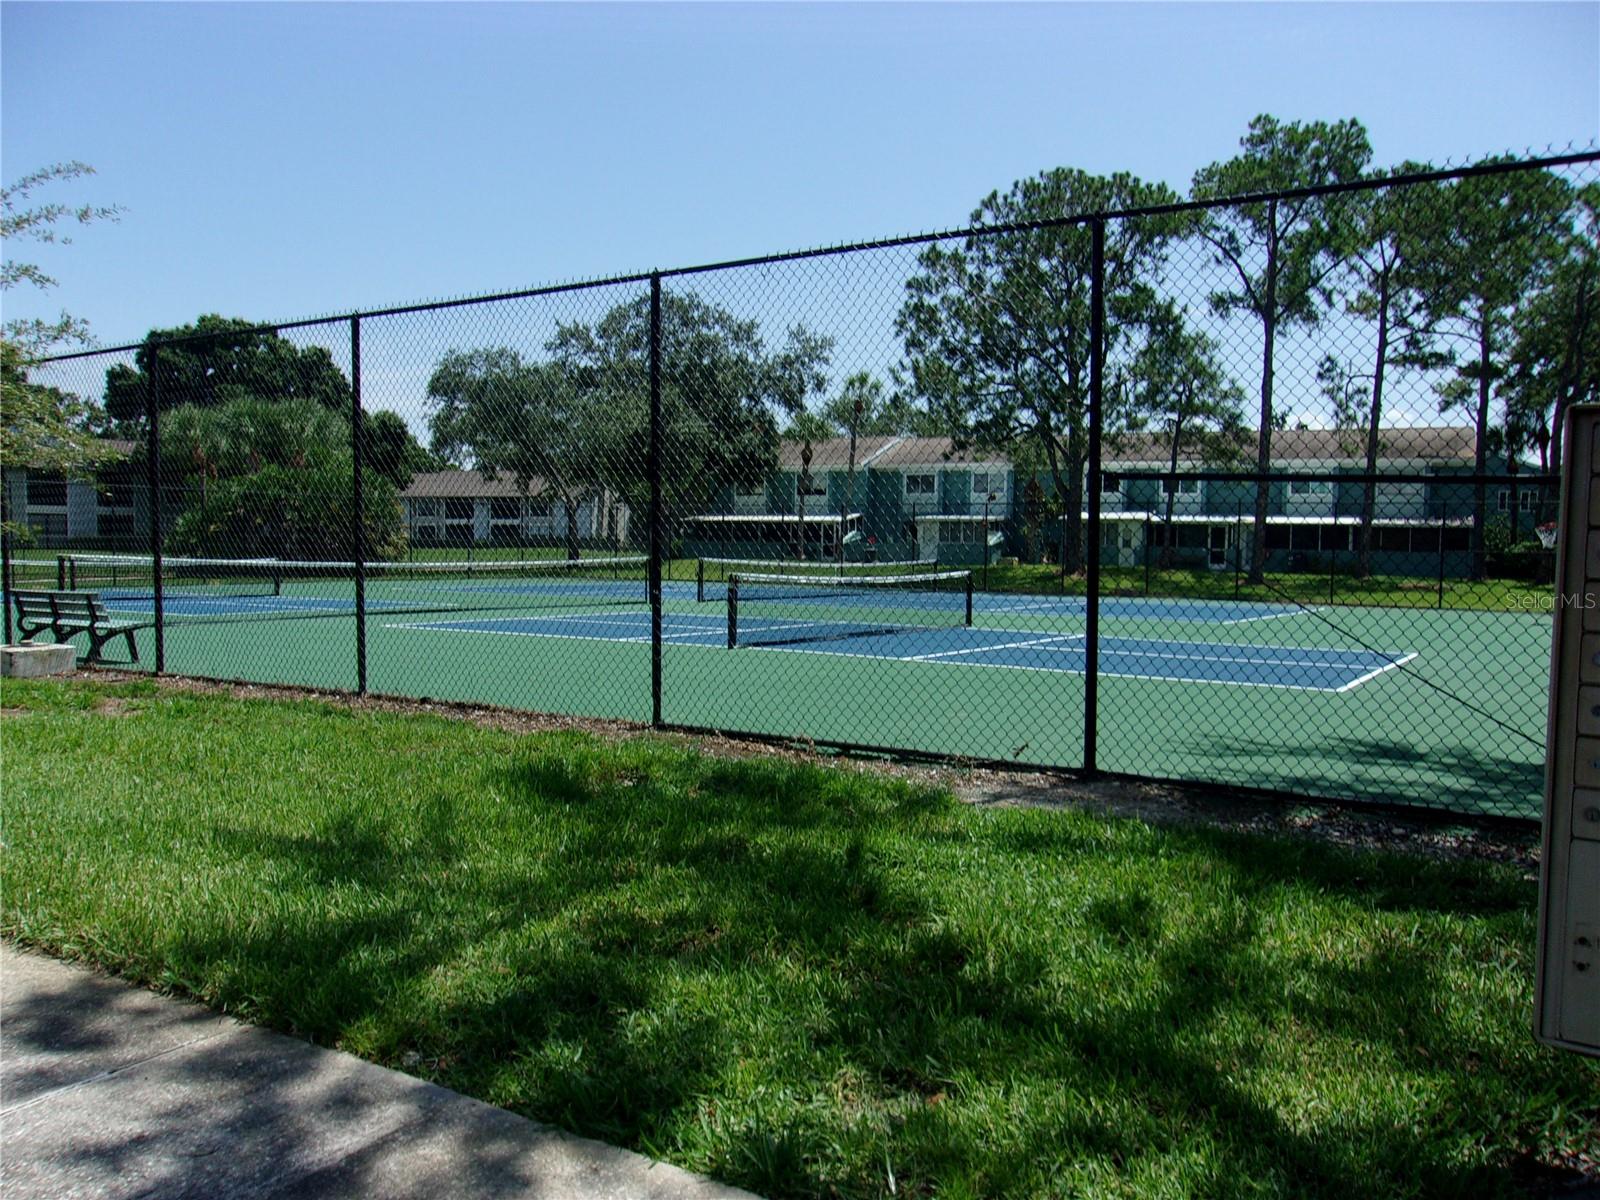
(152, 397)
(358, 530)
(5, 555)
(1091, 659)
(657, 517)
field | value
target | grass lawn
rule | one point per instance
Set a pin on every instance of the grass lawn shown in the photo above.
(805, 981)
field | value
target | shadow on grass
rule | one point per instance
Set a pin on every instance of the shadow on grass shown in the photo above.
(775, 973)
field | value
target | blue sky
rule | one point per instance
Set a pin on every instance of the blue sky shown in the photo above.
(285, 160)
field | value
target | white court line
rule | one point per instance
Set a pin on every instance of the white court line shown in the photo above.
(1104, 674)
(458, 627)
(1063, 637)
(1327, 664)
(1298, 612)
(571, 637)
(1399, 662)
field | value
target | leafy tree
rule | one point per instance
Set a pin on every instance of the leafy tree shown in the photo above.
(1497, 239)
(1384, 266)
(33, 336)
(882, 413)
(218, 359)
(722, 392)
(304, 513)
(43, 428)
(392, 449)
(1180, 390)
(996, 328)
(1282, 254)
(1555, 358)
(201, 444)
(530, 421)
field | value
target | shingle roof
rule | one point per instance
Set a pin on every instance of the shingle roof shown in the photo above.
(457, 484)
(831, 453)
(878, 452)
(1445, 443)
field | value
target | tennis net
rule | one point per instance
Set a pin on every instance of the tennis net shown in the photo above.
(781, 610)
(711, 574)
(233, 589)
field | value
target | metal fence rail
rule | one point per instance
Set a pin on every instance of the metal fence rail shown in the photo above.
(1251, 492)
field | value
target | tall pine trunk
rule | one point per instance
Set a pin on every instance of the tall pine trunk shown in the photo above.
(1480, 456)
(1369, 497)
(1269, 322)
(1167, 547)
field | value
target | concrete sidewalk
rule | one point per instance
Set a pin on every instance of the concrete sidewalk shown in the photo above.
(108, 1090)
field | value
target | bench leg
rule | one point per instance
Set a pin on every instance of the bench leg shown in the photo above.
(97, 643)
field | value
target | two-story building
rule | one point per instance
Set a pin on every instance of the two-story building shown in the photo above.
(110, 511)
(886, 497)
(922, 497)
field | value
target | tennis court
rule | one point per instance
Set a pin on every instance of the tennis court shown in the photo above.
(1377, 703)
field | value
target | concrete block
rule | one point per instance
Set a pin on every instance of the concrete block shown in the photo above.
(31, 660)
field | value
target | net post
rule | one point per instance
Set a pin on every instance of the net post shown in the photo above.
(1440, 593)
(1091, 664)
(152, 396)
(657, 532)
(969, 598)
(1238, 545)
(358, 529)
(700, 580)
(733, 611)
(1147, 551)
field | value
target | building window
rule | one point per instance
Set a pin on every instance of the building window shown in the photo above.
(812, 486)
(958, 533)
(1526, 499)
(458, 510)
(1185, 487)
(920, 484)
(47, 491)
(1308, 487)
(117, 494)
(985, 482)
(539, 509)
(424, 510)
(1110, 484)
(505, 508)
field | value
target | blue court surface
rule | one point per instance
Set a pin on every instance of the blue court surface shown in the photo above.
(1298, 668)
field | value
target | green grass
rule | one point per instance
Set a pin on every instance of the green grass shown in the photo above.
(804, 981)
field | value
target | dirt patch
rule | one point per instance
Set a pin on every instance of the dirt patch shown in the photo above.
(1428, 835)
(114, 706)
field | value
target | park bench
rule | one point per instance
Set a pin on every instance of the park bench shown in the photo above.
(65, 614)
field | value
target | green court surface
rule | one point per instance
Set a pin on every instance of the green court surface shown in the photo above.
(1412, 706)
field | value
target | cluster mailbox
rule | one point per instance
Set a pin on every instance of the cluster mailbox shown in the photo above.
(1567, 997)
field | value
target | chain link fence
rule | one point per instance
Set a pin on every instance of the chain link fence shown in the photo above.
(1255, 492)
